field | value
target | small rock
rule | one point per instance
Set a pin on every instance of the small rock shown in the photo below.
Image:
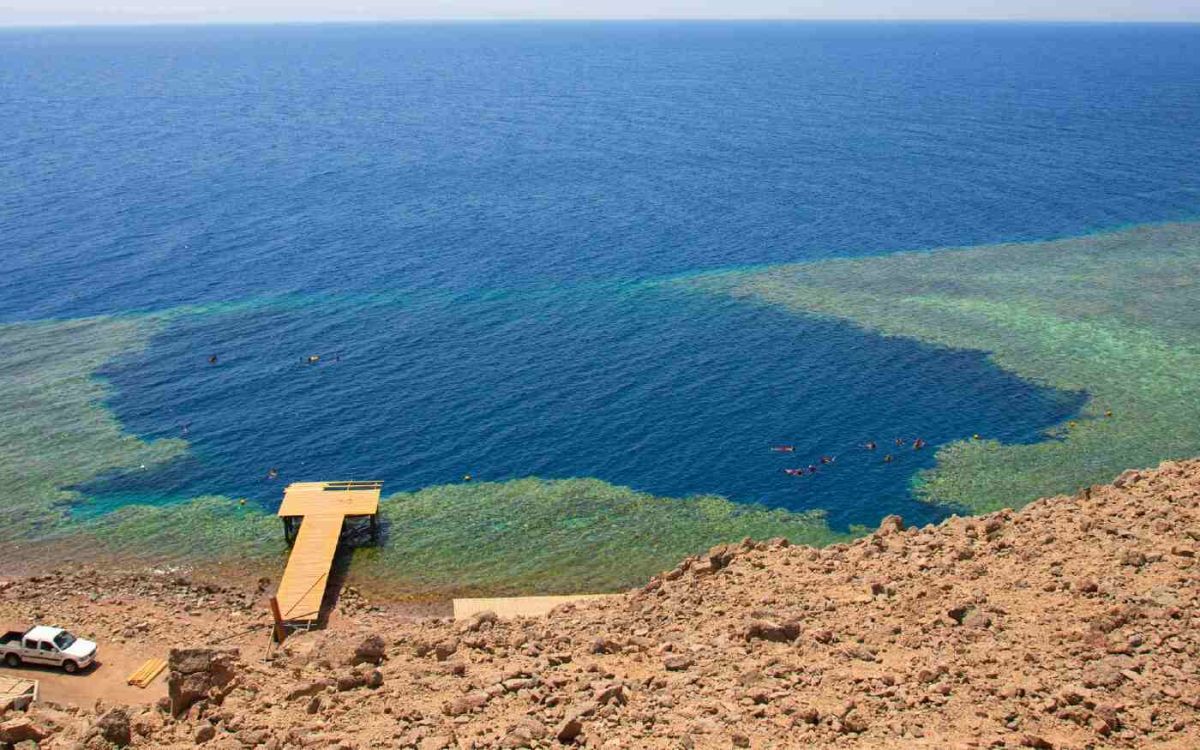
(306, 689)
(612, 693)
(853, 723)
(476, 622)
(891, 525)
(569, 730)
(769, 630)
(1133, 558)
(351, 681)
(445, 649)
(677, 662)
(204, 733)
(465, 704)
(371, 651)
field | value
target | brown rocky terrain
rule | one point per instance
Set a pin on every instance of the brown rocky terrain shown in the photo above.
(1072, 623)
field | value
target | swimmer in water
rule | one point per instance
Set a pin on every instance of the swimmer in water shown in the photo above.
(466, 477)
(783, 448)
(918, 444)
(212, 359)
(899, 442)
(812, 469)
(827, 459)
(870, 445)
(887, 459)
(272, 473)
(313, 359)
(794, 472)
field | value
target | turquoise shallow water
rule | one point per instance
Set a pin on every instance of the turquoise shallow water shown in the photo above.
(469, 225)
(644, 386)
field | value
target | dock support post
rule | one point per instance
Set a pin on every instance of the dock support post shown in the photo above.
(280, 633)
(375, 529)
(289, 530)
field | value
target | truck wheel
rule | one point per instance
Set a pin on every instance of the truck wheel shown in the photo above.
(12, 660)
(70, 667)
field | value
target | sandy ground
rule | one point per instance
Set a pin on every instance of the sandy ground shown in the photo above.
(105, 680)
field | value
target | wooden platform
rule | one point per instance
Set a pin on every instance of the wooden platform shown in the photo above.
(518, 606)
(330, 498)
(320, 509)
(17, 693)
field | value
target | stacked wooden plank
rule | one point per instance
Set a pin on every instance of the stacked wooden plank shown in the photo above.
(146, 673)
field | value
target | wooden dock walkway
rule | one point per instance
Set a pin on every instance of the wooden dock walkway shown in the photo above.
(313, 514)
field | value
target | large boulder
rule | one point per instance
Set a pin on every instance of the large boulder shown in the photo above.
(21, 729)
(370, 651)
(114, 727)
(199, 674)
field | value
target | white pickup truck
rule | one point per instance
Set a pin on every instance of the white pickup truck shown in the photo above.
(53, 647)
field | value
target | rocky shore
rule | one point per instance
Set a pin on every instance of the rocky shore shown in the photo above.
(1071, 623)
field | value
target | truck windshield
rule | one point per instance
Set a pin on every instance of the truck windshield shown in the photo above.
(64, 640)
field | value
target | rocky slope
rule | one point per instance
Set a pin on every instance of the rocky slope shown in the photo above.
(1072, 623)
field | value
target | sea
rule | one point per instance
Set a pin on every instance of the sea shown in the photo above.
(454, 249)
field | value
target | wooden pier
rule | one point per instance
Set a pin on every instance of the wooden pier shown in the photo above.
(313, 514)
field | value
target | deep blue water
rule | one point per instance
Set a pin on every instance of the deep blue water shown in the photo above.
(472, 212)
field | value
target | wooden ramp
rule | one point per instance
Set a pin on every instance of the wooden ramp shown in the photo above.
(518, 606)
(319, 509)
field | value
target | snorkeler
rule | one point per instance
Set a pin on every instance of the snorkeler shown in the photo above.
(313, 359)
(212, 359)
(869, 445)
(812, 469)
(828, 459)
(466, 477)
(899, 442)
(887, 459)
(272, 473)
(783, 448)
(794, 472)
(918, 444)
